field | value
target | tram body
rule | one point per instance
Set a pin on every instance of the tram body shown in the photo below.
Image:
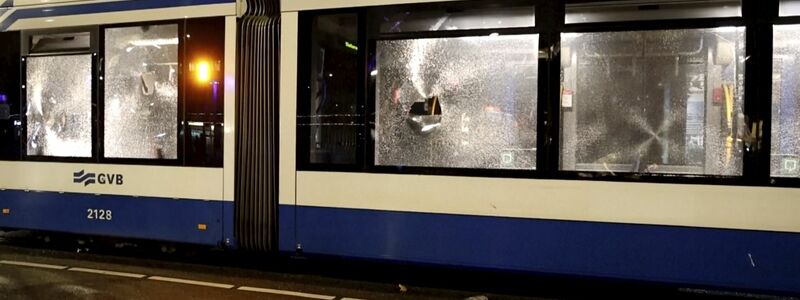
(638, 175)
(58, 174)
(612, 140)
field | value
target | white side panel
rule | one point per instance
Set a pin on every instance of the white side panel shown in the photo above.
(212, 10)
(298, 5)
(144, 181)
(288, 108)
(241, 7)
(756, 208)
(230, 108)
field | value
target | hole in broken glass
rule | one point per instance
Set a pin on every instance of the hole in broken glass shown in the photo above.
(425, 116)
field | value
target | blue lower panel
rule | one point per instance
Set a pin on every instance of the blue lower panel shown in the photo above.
(752, 260)
(131, 217)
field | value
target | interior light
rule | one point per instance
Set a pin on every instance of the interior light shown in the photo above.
(726, 29)
(155, 42)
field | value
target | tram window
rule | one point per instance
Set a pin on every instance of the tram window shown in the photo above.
(668, 101)
(141, 92)
(785, 160)
(59, 106)
(409, 20)
(614, 11)
(789, 8)
(467, 102)
(328, 119)
(204, 92)
(10, 120)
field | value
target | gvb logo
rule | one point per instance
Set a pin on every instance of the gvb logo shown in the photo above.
(82, 177)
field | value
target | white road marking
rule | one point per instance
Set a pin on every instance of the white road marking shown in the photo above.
(286, 293)
(192, 282)
(104, 272)
(29, 264)
(172, 280)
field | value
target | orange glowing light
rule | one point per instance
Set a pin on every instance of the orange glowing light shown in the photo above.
(203, 72)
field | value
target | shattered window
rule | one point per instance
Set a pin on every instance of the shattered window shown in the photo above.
(141, 92)
(59, 100)
(668, 101)
(467, 102)
(785, 160)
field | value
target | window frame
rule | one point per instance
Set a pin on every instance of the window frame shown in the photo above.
(772, 18)
(371, 107)
(654, 25)
(25, 54)
(368, 35)
(180, 118)
(302, 144)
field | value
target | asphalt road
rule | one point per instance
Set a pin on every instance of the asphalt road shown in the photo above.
(35, 266)
(34, 272)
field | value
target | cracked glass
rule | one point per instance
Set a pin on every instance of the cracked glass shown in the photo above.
(785, 161)
(141, 92)
(467, 102)
(667, 102)
(59, 106)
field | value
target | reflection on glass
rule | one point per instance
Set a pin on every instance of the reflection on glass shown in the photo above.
(204, 90)
(786, 102)
(441, 20)
(330, 116)
(653, 101)
(10, 120)
(457, 102)
(141, 92)
(615, 11)
(59, 113)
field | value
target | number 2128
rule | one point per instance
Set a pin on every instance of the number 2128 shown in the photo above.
(98, 214)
